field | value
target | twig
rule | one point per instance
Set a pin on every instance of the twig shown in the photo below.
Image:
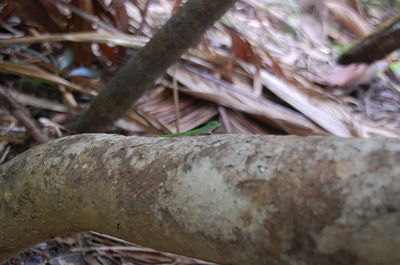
(22, 116)
(89, 17)
(4, 154)
(176, 102)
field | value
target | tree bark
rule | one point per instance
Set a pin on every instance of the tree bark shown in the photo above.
(377, 45)
(231, 199)
(182, 31)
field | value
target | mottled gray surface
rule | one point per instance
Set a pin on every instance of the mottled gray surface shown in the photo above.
(232, 199)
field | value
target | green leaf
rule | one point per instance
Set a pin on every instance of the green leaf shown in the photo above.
(395, 67)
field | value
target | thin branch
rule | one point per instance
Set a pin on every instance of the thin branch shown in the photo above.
(22, 116)
(89, 17)
(182, 31)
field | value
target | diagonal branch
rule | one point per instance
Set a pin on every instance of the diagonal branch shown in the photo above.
(182, 31)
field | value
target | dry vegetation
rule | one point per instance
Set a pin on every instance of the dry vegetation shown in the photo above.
(268, 67)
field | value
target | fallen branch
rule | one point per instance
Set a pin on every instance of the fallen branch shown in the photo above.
(231, 199)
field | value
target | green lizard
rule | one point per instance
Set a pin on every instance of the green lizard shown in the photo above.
(207, 129)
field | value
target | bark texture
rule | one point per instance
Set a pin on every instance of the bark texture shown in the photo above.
(231, 199)
(182, 31)
(377, 45)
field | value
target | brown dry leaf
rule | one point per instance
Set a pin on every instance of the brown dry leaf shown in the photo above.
(121, 16)
(143, 14)
(157, 15)
(39, 13)
(237, 122)
(265, 33)
(320, 107)
(204, 86)
(323, 109)
(109, 52)
(150, 257)
(6, 11)
(133, 127)
(36, 102)
(106, 12)
(212, 61)
(340, 76)
(159, 107)
(243, 50)
(106, 38)
(68, 98)
(11, 139)
(351, 75)
(356, 5)
(123, 252)
(130, 252)
(82, 52)
(35, 72)
(93, 83)
(349, 17)
(369, 129)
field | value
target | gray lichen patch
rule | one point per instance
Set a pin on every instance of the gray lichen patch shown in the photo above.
(203, 204)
